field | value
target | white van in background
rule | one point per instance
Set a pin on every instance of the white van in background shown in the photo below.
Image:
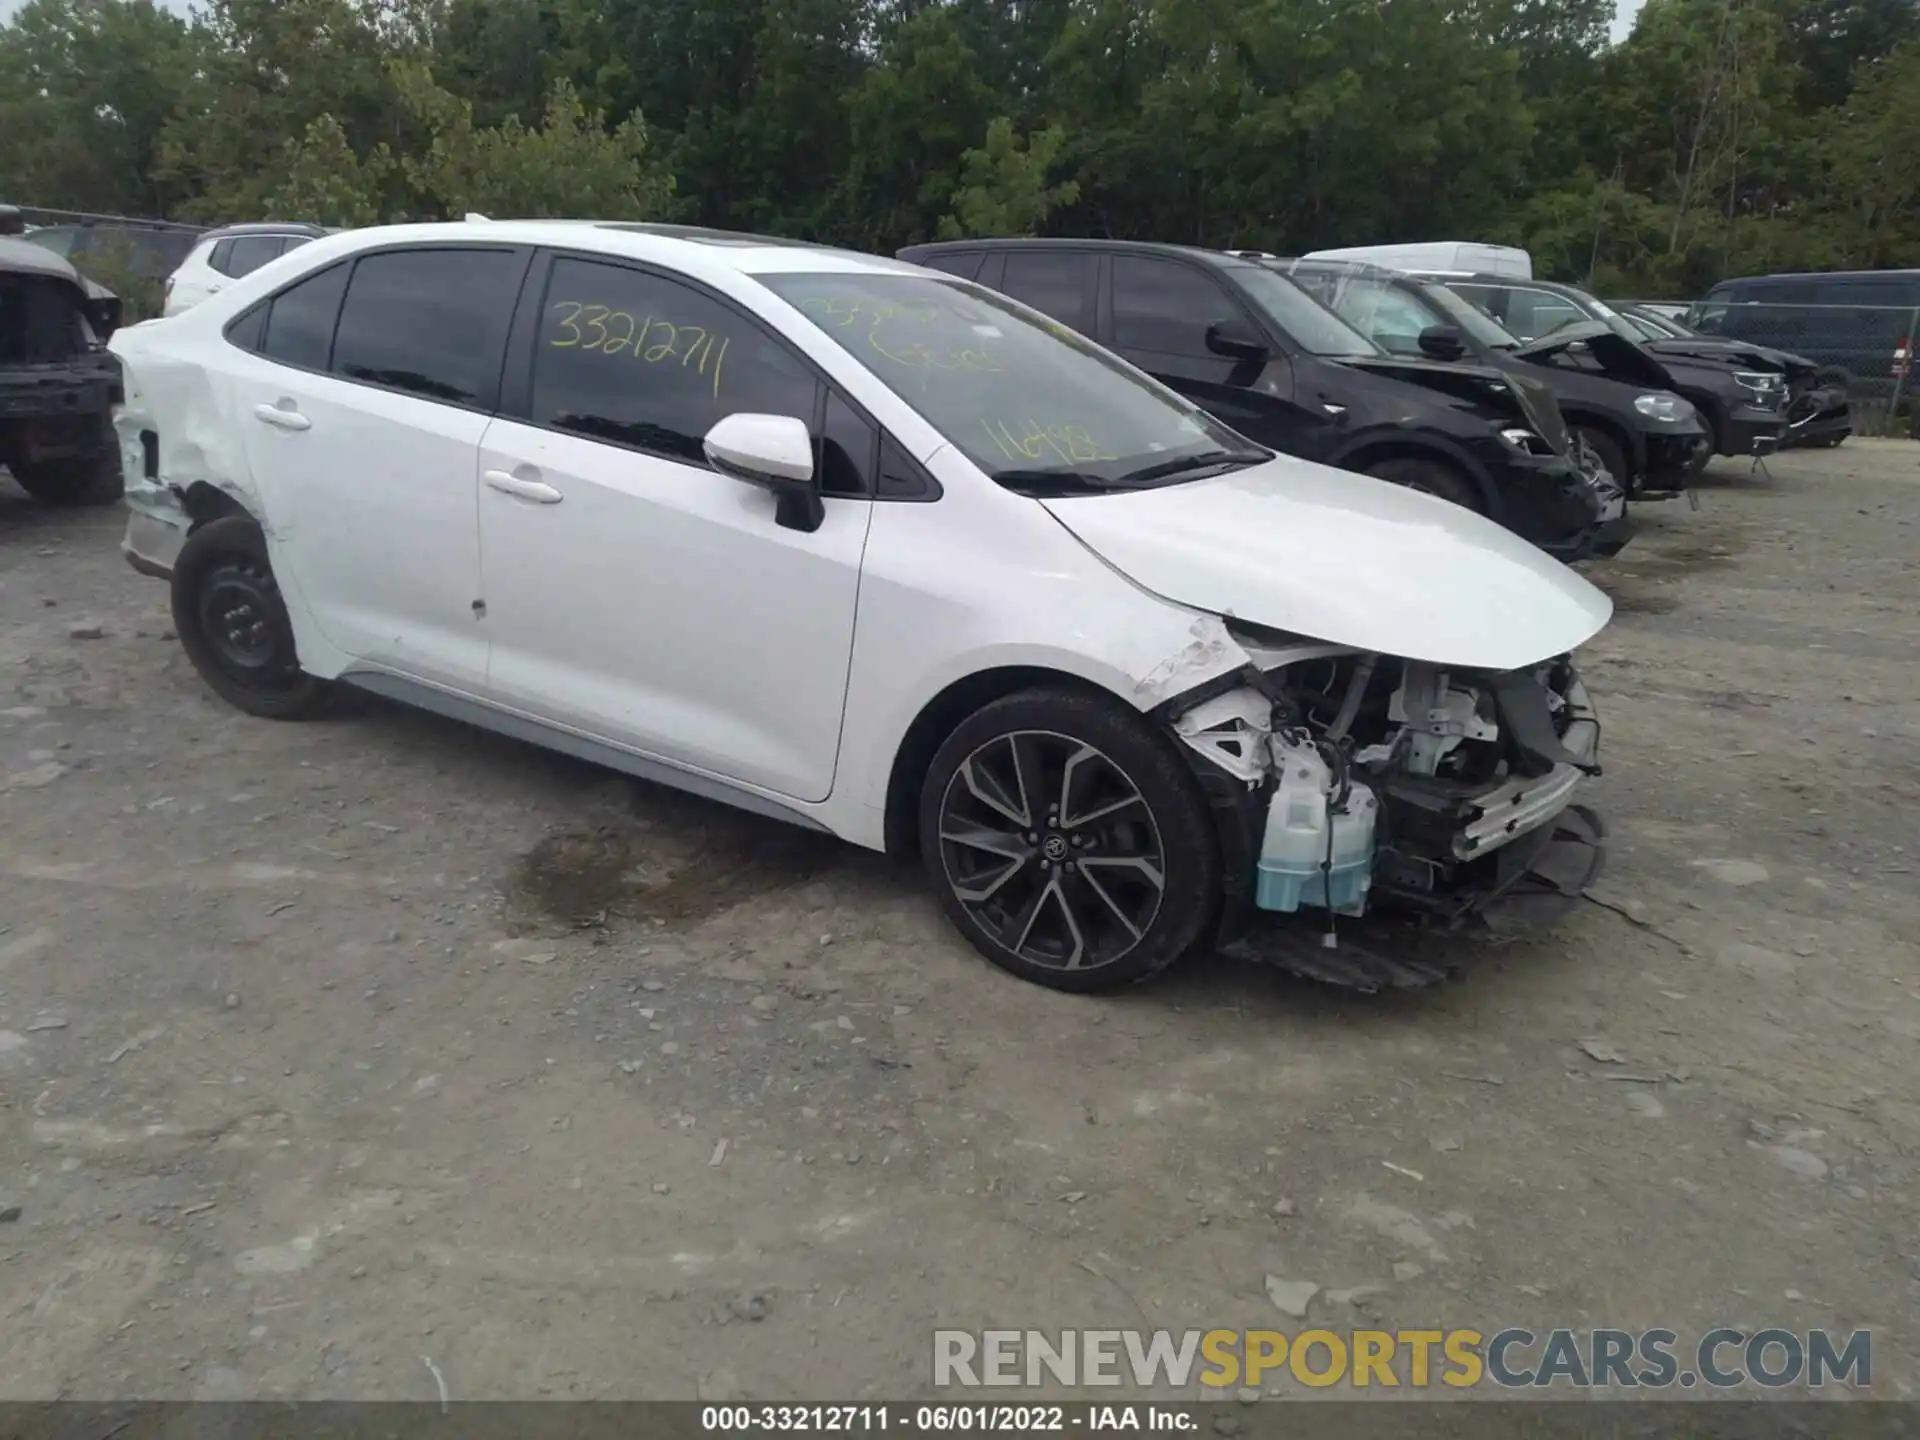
(1460, 256)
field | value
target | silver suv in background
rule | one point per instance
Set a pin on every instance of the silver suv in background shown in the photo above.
(224, 255)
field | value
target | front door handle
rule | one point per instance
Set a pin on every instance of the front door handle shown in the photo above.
(536, 490)
(287, 419)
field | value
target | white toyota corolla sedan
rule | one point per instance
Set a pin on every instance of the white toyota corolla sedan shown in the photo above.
(875, 551)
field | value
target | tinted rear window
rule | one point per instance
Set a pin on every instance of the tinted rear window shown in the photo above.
(430, 322)
(1054, 282)
(301, 320)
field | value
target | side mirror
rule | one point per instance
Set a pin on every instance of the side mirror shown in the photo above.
(1237, 340)
(774, 452)
(1442, 342)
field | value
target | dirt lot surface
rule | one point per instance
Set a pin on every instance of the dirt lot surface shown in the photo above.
(327, 1047)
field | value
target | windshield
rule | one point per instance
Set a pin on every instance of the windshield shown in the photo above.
(1393, 313)
(1471, 318)
(1033, 404)
(1600, 310)
(1392, 318)
(1307, 322)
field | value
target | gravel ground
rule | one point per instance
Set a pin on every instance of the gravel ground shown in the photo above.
(325, 1048)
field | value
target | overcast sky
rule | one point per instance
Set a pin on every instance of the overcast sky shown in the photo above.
(1622, 15)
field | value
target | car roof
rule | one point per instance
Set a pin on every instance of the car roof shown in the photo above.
(1800, 277)
(1366, 269)
(1223, 259)
(692, 248)
(265, 227)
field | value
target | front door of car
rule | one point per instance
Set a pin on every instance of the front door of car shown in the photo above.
(361, 412)
(1160, 312)
(633, 592)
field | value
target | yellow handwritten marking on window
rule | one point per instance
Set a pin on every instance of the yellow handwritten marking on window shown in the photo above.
(601, 330)
(839, 312)
(1073, 444)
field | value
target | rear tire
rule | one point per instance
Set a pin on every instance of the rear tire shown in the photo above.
(86, 480)
(1431, 477)
(234, 626)
(1068, 842)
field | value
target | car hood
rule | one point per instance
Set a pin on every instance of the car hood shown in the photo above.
(1732, 352)
(1619, 358)
(1333, 556)
(1484, 388)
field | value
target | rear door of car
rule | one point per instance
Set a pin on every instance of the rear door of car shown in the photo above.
(362, 400)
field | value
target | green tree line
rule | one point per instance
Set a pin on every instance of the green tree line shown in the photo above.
(1721, 137)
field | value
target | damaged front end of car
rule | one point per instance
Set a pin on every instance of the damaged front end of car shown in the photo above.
(1345, 783)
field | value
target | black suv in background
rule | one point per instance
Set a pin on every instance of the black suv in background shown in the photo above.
(1742, 402)
(1849, 320)
(1262, 356)
(1616, 397)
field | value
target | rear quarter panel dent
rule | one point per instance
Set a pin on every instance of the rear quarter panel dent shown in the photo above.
(188, 409)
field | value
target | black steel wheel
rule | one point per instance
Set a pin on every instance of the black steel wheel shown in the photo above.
(234, 626)
(1068, 841)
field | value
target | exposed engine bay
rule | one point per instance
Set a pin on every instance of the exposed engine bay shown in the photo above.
(1357, 782)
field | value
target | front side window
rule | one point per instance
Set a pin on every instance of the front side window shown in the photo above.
(1025, 398)
(638, 359)
(1166, 307)
(430, 322)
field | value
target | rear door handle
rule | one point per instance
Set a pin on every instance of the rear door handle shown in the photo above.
(536, 490)
(283, 419)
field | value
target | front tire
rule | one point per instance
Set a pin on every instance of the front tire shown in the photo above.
(233, 624)
(1430, 477)
(1068, 842)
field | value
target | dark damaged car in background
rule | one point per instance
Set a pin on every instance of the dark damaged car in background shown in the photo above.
(1742, 399)
(1262, 356)
(58, 382)
(1819, 410)
(1618, 400)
